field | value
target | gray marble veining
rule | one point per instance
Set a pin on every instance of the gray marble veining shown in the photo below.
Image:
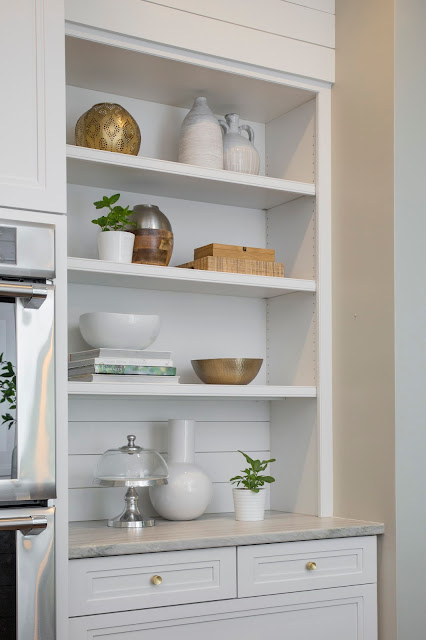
(93, 539)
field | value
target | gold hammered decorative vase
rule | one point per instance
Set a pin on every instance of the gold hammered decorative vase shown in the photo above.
(108, 126)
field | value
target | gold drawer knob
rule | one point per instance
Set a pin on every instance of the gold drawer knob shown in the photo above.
(311, 566)
(156, 580)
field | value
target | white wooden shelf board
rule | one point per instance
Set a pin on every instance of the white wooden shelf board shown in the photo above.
(145, 276)
(263, 392)
(92, 167)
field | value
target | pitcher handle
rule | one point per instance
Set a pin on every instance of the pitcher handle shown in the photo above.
(224, 126)
(249, 130)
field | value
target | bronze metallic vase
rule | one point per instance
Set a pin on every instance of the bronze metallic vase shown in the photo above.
(109, 127)
(153, 236)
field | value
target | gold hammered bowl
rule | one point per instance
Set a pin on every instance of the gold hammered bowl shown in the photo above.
(108, 126)
(227, 370)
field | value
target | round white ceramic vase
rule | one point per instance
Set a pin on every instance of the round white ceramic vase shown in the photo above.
(116, 246)
(200, 140)
(189, 490)
(249, 506)
(239, 152)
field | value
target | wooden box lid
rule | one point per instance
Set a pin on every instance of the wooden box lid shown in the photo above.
(234, 251)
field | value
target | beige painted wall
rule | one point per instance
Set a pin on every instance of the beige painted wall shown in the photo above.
(363, 278)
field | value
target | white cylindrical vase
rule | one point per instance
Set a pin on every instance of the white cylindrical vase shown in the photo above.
(249, 506)
(116, 246)
(189, 489)
(200, 140)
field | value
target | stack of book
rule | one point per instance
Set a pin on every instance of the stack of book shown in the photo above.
(122, 365)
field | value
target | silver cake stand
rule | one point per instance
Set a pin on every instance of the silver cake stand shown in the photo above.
(131, 516)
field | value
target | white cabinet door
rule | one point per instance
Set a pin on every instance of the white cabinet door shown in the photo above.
(32, 105)
(347, 613)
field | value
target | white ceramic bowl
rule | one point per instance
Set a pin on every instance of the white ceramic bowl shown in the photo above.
(119, 330)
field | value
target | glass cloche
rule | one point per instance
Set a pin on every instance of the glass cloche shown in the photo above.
(131, 466)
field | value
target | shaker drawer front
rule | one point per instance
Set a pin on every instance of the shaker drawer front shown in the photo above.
(122, 583)
(299, 566)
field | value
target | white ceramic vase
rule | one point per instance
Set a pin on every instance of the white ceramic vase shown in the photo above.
(239, 152)
(116, 246)
(249, 506)
(200, 140)
(189, 490)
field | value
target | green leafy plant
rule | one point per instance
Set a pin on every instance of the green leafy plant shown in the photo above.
(8, 389)
(117, 217)
(251, 478)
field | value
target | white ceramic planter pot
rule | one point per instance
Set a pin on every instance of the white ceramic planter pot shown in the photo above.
(116, 246)
(189, 490)
(249, 506)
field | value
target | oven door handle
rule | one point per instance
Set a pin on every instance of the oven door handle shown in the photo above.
(33, 295)
(27, 525)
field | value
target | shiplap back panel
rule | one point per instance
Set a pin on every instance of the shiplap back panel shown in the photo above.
(194, 224)
(272, 16)
(222, 428)
(159, 123)
(217, 37)
(193, 326)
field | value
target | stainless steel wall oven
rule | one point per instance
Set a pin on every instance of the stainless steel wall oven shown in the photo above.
(27, 431)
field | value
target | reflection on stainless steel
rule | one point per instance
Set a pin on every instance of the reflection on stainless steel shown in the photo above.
(32, 295)
(28, 525)
(27, 250)
(35, 580)
(35, 391)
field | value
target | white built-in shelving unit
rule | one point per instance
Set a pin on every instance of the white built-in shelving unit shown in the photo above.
(286, 321)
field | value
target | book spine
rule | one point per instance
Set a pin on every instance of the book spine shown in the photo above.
(118, 362)
(117, 369)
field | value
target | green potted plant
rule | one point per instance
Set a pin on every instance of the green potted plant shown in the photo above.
(115, 241)
(249, 499)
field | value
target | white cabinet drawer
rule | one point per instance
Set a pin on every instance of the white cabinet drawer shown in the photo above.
(121, 583)
(284, 567)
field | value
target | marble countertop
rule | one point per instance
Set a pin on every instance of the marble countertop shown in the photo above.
(95, 538)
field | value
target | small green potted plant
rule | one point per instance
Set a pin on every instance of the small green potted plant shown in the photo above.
(115, 241)
(249, 499)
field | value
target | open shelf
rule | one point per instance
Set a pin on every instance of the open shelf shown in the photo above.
(92, 167)
(145, 276)
(256, 392)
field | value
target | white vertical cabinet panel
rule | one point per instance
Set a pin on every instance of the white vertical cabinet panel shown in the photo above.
(290, 144)
(294, 442)
(291, 333)
(290, 230)
(32, 108)
(345, 613)
(273, 16)
(193, 33)
(324, 304)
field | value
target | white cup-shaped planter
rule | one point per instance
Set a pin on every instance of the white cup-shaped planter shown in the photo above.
(249, 506)
(116, 246)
